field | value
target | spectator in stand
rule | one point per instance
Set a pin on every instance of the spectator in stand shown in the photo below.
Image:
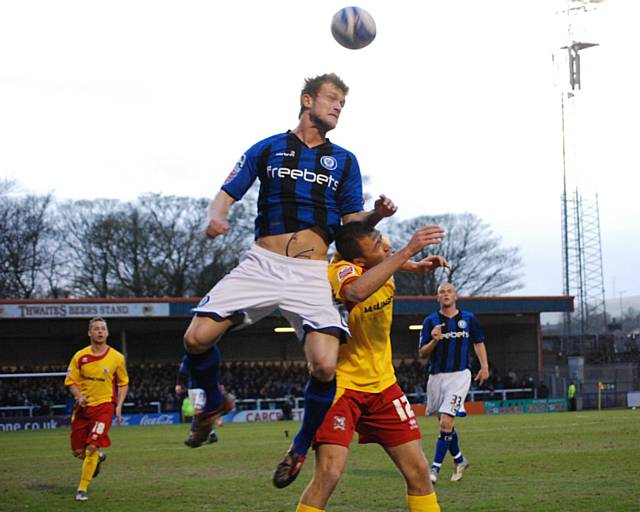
(287, 409)
(543, 390)
(527, 384)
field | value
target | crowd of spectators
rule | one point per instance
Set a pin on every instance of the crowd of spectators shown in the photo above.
(38, 392)
(152, 383)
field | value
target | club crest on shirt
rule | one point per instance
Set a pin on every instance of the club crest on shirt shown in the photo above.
(462, 324)
(328, 162)
(344, 272)
(105, 371)
(339, 423)
(236, 169)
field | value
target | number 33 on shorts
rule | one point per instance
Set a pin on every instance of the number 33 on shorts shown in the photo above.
(456, 403)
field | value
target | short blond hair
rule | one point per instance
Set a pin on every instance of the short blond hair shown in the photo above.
(312, 86)
(96, 319)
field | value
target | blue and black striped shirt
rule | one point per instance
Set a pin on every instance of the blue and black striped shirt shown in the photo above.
(300, 187)
(452, 352)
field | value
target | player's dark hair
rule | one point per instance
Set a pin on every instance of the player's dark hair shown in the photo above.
(96, 319)
(312, 86)
(348, 238)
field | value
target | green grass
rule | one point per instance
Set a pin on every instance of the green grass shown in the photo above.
(585, 461)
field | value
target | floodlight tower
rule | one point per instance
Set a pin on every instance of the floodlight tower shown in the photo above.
(581, 243)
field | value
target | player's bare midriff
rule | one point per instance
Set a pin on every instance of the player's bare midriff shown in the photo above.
(308, 244)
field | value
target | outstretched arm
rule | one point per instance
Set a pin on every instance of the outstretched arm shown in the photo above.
(218, 214)
(375, 277)
(383, 207)
(428, 264)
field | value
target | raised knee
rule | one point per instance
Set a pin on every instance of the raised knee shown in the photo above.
(202, 335)
(190, 342)
(194, 344)
(324, 371)
(91, 449)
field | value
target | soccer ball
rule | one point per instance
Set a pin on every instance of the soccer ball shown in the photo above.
(353, 27)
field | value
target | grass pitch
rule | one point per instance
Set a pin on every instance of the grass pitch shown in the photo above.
(583, 461)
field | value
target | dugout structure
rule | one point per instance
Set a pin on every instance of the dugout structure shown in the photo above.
(48, 332)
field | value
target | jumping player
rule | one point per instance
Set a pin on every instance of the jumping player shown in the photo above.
(308, 185)
(368, 399)
(206, 395)
(92, 378)
(445, 337)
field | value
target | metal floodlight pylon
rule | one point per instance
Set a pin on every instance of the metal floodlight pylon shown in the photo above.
(582, 262)
(581, 241)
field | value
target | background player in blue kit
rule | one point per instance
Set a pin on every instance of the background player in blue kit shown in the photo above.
(202, 380)
(446, 337)
(308, 186)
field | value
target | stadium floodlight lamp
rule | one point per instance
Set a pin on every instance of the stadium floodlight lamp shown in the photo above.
(284, 329)
(415, 327)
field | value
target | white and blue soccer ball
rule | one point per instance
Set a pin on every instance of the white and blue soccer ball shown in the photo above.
(353, 27)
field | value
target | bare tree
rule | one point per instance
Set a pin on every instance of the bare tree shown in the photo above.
(90, 230)
(479, 264)
(154, 246)
(176, 227)
(25, 233)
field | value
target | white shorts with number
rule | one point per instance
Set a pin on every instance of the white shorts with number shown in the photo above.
(446, 392)
(264, 281)
(198, 398)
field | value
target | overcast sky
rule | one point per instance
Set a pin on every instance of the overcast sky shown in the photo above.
(455, 107)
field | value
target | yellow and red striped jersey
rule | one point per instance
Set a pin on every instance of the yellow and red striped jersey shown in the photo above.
(97, 376)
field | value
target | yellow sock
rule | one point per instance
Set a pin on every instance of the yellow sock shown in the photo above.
(88, 468)
(306, 508)
(427, 503)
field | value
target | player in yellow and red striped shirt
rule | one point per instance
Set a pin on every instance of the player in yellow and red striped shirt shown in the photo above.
(97, 378)
(368, 399)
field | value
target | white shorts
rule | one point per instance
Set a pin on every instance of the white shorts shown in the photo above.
(446, 392)
(198, 398)
(264, 281)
